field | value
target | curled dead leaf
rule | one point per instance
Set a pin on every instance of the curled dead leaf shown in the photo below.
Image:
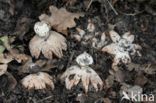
(3, 69)
(60, 19)
(149, 68)
(3, 63)
(4, 59)
(19, 57)
(34, 67)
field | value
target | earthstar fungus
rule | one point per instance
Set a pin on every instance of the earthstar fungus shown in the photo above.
(121, 48)
(47, 42)
(82, 72)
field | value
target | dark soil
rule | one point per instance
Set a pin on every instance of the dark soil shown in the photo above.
(136, 17)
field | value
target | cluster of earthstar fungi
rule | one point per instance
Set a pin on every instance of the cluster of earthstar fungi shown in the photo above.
(51, 43)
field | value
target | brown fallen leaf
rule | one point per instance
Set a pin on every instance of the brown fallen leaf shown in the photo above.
(3, 63)
(146, 68)
(28, 67)
(12, 81)
(149, 68)
(3, 69)
(14, 53)
(8, 82)
(22, 26)
(34, 67)
(107, 100)
(70, 2)
(109, 81)
(4, 59)
(60, 19)
(119, 75)
(140, 79)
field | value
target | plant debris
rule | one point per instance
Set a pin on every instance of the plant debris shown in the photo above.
(60, 19)
(42, 44)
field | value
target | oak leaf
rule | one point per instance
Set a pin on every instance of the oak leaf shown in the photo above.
(60, 19)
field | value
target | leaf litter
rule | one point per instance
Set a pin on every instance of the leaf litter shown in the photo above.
(37, 73)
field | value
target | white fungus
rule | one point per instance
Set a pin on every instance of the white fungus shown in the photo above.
(82, 72)
(47, 42)
(121, 48)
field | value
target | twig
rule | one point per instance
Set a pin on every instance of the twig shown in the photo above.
(89, 5)
(70, 58)
(46, 98)
(112, 7)
(132, 14)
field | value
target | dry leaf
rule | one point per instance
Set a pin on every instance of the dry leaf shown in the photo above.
(3, 69)
(149, 68)
(109, 81)
(38, 81)
(146, 68)
(3, 63)
(60, 19)
(107, 100)
(14, 53)
(12, 81)
(140, 79)
(6, 42)
(29, 67)
(54, 44)
(4, 59)
(22, 26)
(34, 67)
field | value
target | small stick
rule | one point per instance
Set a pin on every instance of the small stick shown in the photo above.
(112, 7)
(42, 100)
(70, 58)
(89, 5)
